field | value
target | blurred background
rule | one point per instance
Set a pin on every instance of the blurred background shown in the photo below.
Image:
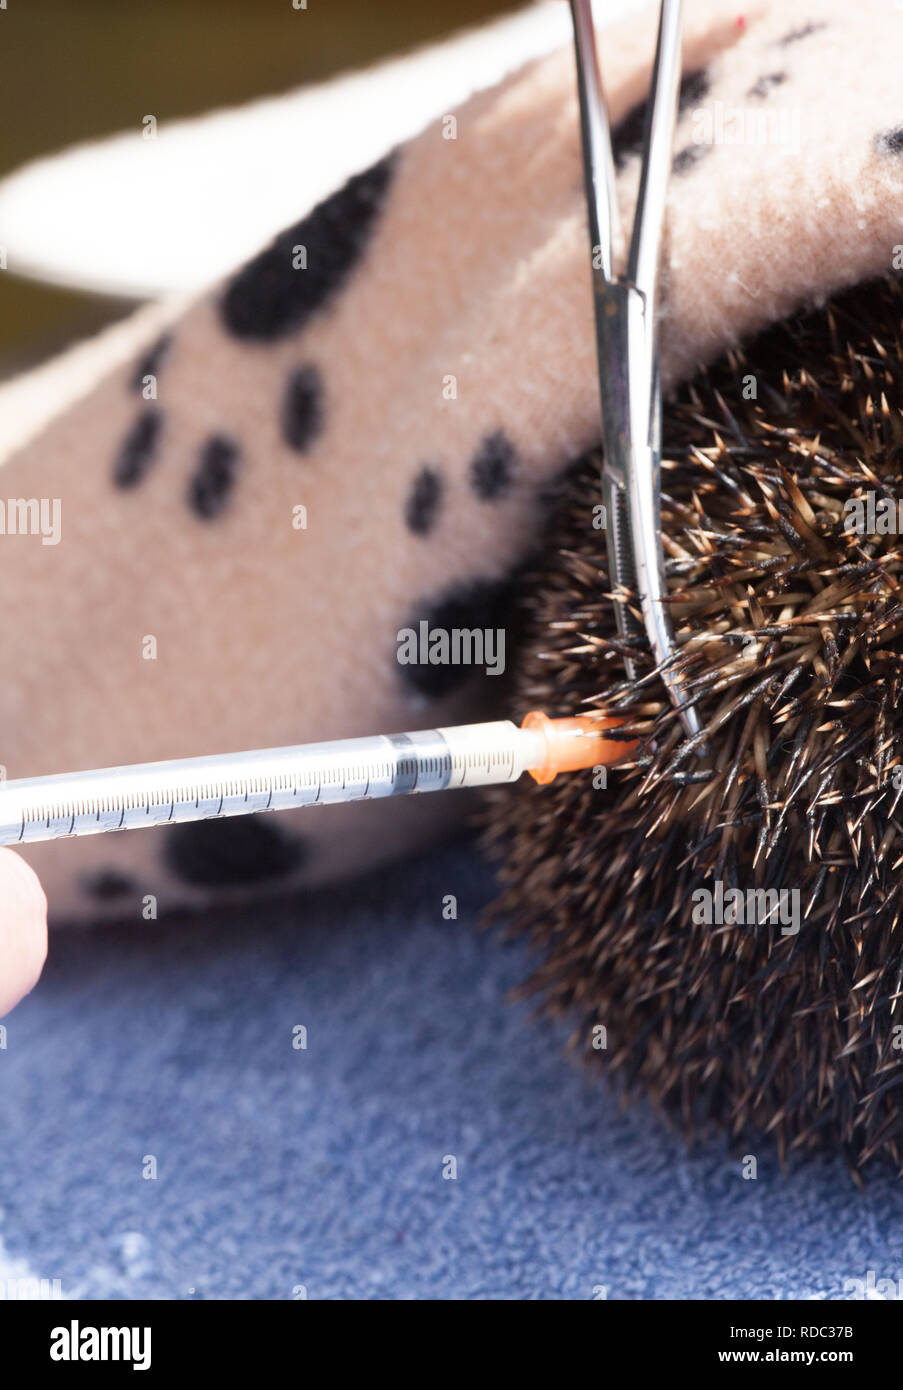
(71, 72)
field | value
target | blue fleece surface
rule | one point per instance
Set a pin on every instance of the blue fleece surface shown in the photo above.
(322, 1167)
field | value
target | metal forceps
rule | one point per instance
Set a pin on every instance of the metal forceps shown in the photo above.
(627, 339)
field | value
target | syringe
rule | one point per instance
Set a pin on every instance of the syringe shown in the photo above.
(313, 774)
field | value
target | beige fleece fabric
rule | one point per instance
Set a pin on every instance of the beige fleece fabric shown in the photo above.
(448, 375)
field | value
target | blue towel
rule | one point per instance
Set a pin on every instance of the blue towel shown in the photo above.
(325, 1170)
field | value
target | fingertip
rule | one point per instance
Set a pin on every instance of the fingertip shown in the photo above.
(23, 929)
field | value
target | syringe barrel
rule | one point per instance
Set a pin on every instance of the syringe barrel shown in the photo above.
(315, 774)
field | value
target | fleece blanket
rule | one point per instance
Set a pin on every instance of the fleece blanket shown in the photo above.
(353, 434)
(430, 1140)
(327, 1094)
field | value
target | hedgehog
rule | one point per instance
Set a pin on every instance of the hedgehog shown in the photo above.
(781, 469)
